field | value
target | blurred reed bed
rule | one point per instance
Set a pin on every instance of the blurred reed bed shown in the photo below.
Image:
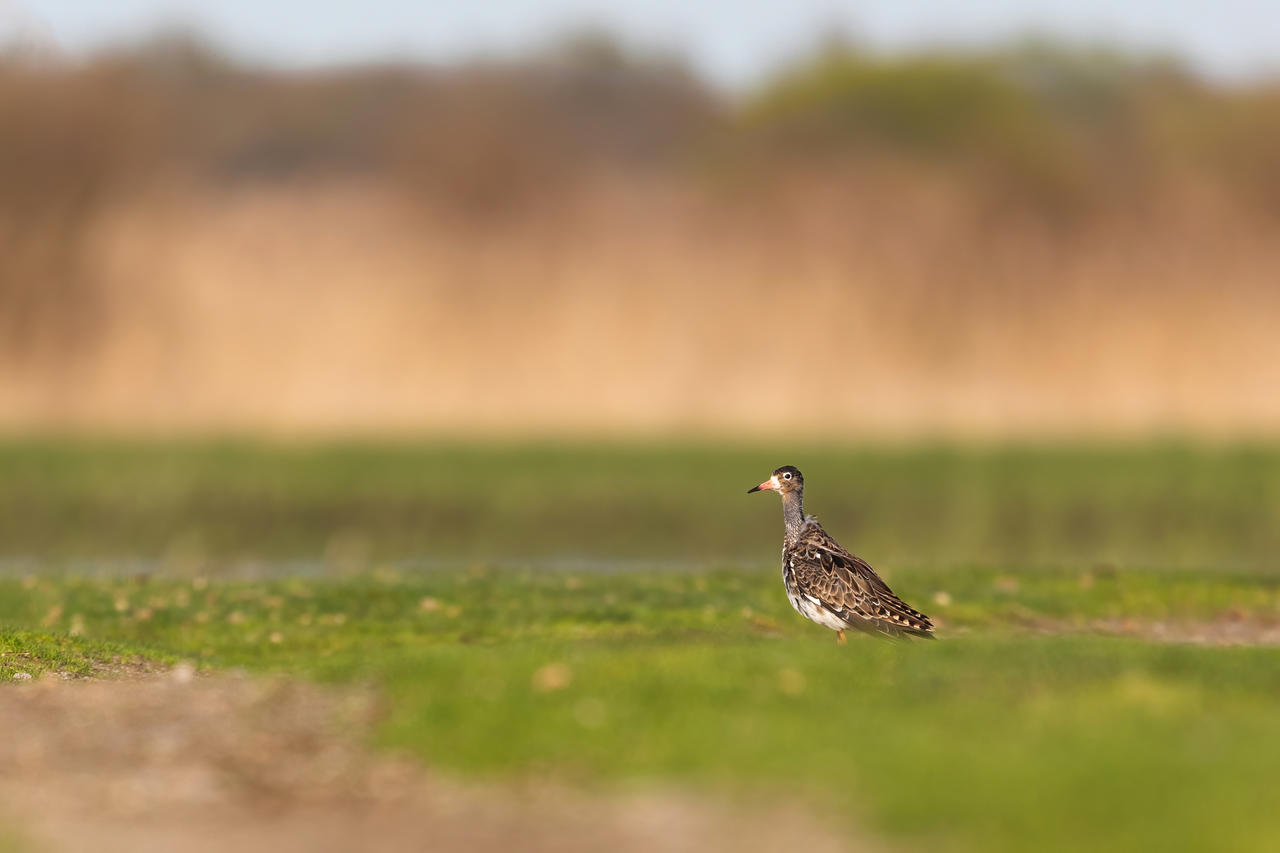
(1033, 240)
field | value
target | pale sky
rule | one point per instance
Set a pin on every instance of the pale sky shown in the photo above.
(731, 41)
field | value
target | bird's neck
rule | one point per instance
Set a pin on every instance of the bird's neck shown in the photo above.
(793, 513)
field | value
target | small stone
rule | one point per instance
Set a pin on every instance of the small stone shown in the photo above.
(553, 676)
(183, 673)
(22, 676)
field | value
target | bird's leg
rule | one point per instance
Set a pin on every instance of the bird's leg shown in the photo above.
(840, 641)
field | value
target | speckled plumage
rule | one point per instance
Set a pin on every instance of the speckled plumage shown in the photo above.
(829, 585)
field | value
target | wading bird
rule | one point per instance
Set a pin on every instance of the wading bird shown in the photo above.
(828, 584)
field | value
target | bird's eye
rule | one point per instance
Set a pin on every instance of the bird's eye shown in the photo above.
(786, 476)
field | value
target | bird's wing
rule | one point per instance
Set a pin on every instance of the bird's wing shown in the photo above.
(847, 586)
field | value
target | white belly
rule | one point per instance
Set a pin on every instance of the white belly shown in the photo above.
(815, 612)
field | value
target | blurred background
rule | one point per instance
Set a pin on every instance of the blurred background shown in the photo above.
(849, 221)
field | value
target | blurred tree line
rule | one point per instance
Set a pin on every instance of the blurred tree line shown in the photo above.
(1034, 130)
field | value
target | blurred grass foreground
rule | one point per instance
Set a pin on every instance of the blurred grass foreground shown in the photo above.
(1033, 240)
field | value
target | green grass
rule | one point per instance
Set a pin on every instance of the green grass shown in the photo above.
(294, 622)
(424, 571)
(981, 744)
(992, 738)
(219, 506)
(31, 654)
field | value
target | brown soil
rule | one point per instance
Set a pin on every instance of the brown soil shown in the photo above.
(1229, 630)
(181, 763)
(1220, 632)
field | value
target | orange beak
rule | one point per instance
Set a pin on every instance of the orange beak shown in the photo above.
(767, 484)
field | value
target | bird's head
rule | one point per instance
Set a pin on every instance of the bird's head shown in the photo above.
(784, 480)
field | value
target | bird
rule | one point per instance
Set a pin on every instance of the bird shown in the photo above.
(826, 583)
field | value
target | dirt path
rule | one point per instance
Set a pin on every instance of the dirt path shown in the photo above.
(179, 763)
(1226, 631)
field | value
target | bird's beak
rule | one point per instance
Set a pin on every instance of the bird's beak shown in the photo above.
(767, 484)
